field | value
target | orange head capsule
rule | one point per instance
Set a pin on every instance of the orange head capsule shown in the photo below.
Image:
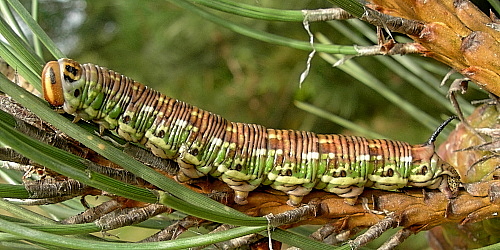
(58, 78)
(52, 84)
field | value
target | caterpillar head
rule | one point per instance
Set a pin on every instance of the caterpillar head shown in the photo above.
(62, 84)
(430, 171)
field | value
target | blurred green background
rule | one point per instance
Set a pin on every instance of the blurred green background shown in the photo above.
(240, 78)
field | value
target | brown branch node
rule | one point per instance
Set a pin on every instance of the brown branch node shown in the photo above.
(395, 24)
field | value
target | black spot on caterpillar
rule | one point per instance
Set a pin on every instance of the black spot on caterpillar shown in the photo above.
(242, 155)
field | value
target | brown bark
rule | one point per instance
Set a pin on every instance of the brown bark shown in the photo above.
(414, 208)
(456, 33)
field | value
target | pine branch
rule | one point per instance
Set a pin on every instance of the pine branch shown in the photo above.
(456, 33)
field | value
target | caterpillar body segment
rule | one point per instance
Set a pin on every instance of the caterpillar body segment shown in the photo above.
(242, 155)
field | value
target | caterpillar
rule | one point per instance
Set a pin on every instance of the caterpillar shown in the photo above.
(242, 155)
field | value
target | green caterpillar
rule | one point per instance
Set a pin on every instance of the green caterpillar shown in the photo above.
(242, 155)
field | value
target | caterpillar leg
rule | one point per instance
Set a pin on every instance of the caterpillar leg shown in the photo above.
(241, 190)
(181, 177)
(187, 171)
(295, 193)
(294, 200)
(295, 196)
(350, 193)
(190, 166)
(240, 197)
(239, 180)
